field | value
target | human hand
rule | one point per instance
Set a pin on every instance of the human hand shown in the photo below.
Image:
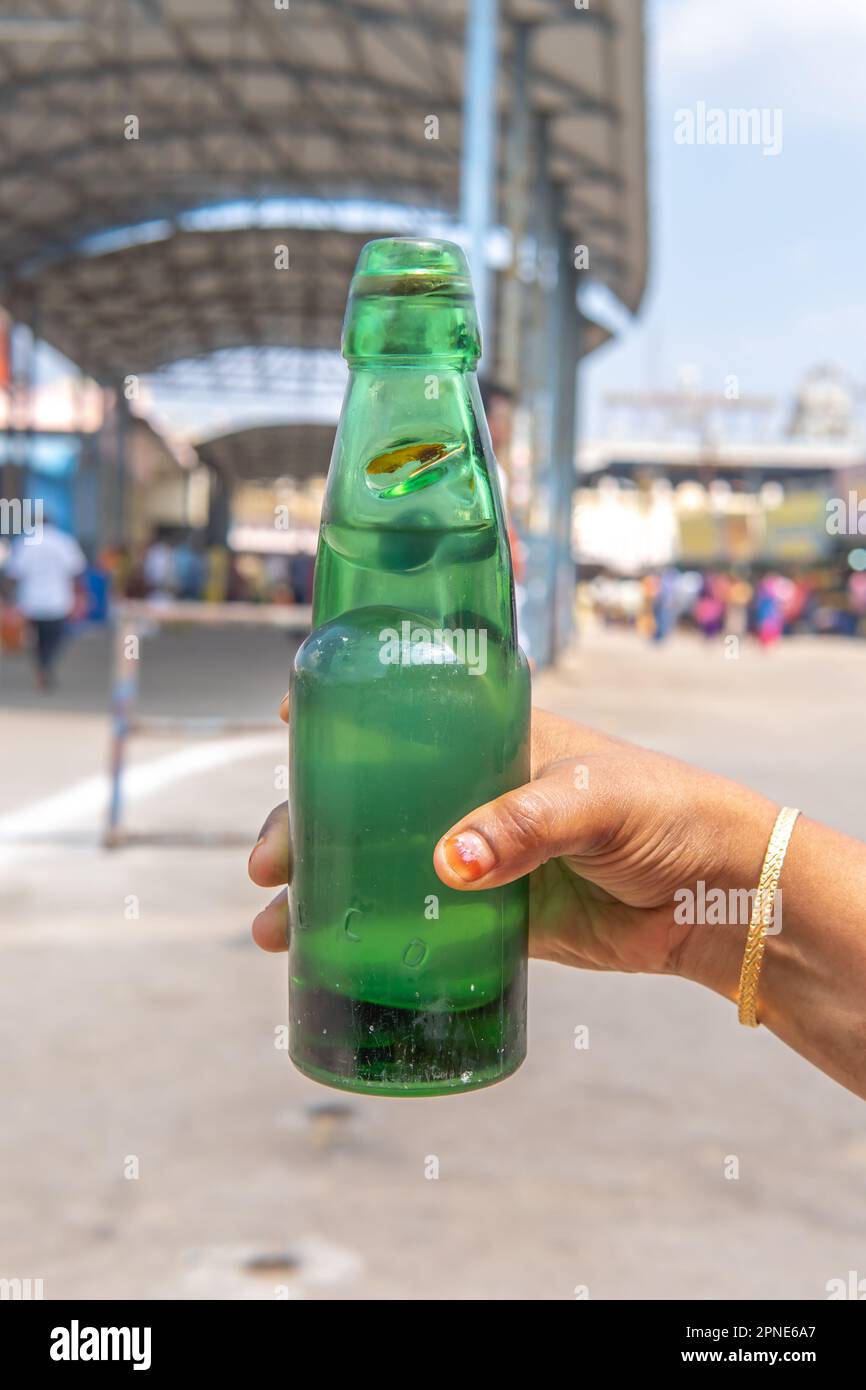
(608, 832)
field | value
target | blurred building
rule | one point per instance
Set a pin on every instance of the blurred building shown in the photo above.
(714, 498)
(64, 441)
(187, 186)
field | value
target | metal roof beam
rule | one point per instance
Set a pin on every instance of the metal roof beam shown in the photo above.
(33, 161)
(578, 101)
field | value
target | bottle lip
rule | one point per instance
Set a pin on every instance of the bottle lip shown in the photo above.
(412, 283)
(412, 266)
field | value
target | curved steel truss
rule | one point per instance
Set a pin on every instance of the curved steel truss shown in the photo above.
(135, 113)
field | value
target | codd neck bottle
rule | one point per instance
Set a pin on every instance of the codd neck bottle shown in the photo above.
(410, 706)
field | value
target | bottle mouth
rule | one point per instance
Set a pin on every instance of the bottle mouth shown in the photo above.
(411, 297)
(411, 265)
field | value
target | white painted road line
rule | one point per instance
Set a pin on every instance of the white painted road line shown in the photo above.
(82, 806)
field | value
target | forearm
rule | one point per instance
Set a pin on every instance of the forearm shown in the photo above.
(812, 991)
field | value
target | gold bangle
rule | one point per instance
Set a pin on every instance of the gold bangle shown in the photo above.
(762, 914)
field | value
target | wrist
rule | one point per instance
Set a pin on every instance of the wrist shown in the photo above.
(739, 826)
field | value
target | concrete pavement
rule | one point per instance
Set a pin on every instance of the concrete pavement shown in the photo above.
(155, 1142)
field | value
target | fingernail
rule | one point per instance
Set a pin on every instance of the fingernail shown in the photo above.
(259, 841)
(468, 855)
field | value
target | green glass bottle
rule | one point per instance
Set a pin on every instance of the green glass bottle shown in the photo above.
(410, 706)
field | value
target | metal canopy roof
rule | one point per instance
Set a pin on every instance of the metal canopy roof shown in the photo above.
(271, 451)
(239, 99)
(196, 293)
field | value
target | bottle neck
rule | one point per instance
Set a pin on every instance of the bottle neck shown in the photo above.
(436, 324)
(412, 515)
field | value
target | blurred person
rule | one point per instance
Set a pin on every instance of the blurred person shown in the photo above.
(739, 599)
(645, 621)
(587, 607)
(159, 569)
(13, 628)
(216, 574)
(276, 568)
(95, 592)
(769, 611)
(611, 853)
(258, 578)
(710, 609)
(189, 569)
(122, 566)
(665, 603)
(113, 562)
(498, 402)
(629, 601)
(301, 570)
(47, 574)
(787, 591)
(131, 583)
(237, 588)
(856, 590)
(248, 579)
(796, 604)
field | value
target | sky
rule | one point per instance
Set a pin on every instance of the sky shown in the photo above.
(756, 261)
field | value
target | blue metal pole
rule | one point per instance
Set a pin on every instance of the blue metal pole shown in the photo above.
(478, 169)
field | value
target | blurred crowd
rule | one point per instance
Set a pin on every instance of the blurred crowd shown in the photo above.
(51, 589)
(180, 565)
(766, 605)
(48, 590)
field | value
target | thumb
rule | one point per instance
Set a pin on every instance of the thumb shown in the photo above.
(511, 836)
